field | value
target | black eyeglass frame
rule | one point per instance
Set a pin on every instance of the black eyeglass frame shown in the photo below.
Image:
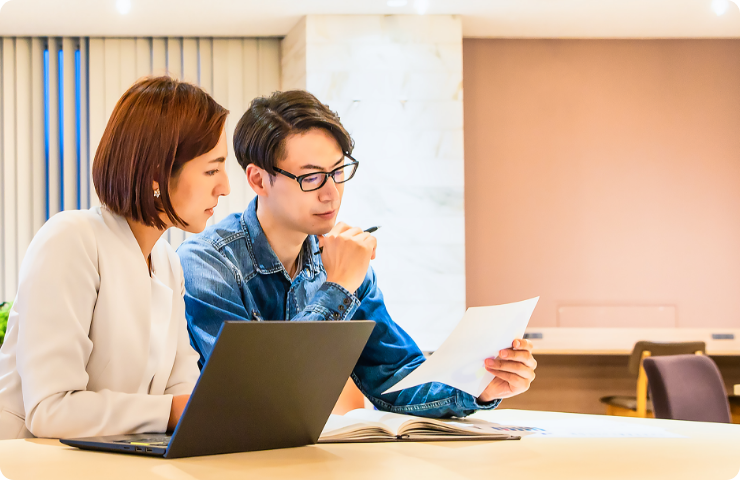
(331, 174)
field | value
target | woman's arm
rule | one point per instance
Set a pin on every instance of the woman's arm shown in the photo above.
(57, 292)
(185, 371)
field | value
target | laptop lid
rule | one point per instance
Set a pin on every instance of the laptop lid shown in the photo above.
(266, 385)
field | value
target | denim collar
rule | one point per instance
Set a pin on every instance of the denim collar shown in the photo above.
(263, 257)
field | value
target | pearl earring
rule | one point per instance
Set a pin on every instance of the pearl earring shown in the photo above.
(156, 193)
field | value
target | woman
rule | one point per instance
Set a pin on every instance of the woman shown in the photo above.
(97, 342)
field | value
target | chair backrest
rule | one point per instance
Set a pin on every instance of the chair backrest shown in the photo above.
(687, 387)
(658, 349)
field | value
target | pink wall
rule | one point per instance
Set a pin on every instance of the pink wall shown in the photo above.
(604, 173)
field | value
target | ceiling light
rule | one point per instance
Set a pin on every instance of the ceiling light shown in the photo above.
(124, 6)
(422, 6)
(719, 7)
(394, 3)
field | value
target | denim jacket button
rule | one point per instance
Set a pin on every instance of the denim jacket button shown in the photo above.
(341, 307)
(346, 301)
(335, 315)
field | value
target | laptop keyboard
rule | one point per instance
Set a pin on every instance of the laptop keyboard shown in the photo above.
(161, 441)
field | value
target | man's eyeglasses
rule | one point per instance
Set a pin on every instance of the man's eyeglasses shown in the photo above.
(316, 180)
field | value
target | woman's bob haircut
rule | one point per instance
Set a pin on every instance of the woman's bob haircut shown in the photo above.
(157, 126)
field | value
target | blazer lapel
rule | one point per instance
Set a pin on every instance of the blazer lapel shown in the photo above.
(132, 268)
(165, 298)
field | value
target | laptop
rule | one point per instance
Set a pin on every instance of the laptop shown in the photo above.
(266, 385)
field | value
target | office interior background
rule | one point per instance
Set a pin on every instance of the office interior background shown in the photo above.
(584, 152)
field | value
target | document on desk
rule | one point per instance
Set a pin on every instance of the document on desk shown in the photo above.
(595, 428)
(481, 334)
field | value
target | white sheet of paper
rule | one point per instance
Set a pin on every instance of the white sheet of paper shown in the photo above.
(481, 334)
(590, 427)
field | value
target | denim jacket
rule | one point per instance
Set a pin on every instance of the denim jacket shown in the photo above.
(232, 273)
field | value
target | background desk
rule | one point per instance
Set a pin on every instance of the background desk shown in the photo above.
(710, 452)
(577, 366)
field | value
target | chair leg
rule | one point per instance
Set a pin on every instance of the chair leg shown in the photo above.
(642, 388)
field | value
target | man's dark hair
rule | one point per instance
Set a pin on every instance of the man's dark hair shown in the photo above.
(156, 127)
(260, 135)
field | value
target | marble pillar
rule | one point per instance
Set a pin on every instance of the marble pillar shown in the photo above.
(396, 83)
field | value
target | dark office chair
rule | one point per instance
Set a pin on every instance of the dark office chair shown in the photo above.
(639, 405)
(687, 387)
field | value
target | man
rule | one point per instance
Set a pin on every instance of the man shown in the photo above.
(264, 264)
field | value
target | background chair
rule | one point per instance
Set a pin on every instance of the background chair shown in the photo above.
(687, 387)
(639, 405)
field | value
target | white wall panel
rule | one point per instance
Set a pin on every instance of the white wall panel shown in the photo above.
(190, 60)
(54, 170)
(205, 74)
(191, 74)
(38, 143)
(175, 68)
(143, 57)
(174, 57)
(128, 63)
(111, 74)
(221, 95)
(205, 77)
(3, 230)
(399, 95)
(235, 103)
(24, 147)
(250, 70)
(268, 67)
(96, 96)
(159, 56)
(23, 172)
(233, 70)
(84, 127)
(9, 166)
(69, 125)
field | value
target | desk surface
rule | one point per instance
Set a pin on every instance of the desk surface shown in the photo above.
(709, 451)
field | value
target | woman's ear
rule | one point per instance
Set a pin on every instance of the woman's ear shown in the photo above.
(257, 178)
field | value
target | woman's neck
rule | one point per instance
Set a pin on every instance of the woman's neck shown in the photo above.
(146, 237)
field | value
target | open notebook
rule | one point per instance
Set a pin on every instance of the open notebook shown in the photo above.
(364, 425)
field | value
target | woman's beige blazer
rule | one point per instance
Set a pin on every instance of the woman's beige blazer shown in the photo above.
(94, 346)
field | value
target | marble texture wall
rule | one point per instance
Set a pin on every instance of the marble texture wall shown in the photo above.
(396, 83)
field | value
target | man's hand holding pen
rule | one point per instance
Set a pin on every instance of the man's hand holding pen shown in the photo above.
(346, 253)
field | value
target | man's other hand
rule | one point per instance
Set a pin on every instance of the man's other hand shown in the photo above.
(514, 370)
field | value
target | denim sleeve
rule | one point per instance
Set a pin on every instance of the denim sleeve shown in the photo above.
(390, 355)
(212, 294)
(331, 302)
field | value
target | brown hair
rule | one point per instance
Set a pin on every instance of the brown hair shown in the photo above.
(260, 135)
(157, 126)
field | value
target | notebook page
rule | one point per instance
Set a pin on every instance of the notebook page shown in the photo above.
(339, 426)
(392, 421)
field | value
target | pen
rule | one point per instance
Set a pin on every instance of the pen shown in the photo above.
(369, 230)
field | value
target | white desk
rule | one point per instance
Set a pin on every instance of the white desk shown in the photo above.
(710, 452)
(620, 341)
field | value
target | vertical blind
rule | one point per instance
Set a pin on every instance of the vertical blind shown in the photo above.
(57, 95)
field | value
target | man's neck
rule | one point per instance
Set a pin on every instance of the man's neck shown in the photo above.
(285, 243)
